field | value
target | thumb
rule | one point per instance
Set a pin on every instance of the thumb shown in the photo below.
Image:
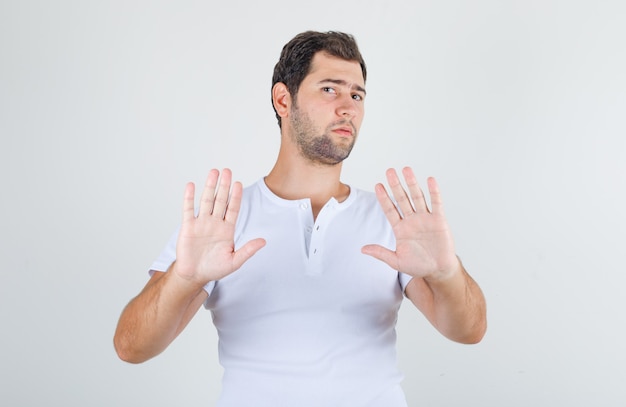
(381, 253)
(246, 251)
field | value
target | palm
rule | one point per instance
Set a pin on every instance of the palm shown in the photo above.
(205, 250)
(424, 244)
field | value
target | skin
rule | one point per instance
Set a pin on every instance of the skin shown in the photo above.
(441, 288)
(319, 129)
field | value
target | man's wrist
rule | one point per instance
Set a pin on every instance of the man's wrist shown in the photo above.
(445, 276)
(184, 281)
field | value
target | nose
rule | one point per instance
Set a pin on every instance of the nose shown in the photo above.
(346, 106)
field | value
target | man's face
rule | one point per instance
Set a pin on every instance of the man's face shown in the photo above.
(327, 113)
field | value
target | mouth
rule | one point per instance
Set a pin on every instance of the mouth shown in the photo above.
(344, 131)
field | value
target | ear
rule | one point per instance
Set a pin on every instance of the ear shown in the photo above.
(281, 99)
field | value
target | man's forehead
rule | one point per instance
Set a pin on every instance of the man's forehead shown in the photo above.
(335, 69)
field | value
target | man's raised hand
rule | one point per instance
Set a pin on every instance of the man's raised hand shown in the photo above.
(205, 250)
(424, 245)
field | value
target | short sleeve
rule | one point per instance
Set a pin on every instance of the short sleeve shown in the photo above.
(167, 256)
(404, 280)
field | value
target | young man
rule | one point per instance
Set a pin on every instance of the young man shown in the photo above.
(303, 274)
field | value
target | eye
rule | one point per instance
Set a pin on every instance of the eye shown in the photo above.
(328, 89)
(357, 97)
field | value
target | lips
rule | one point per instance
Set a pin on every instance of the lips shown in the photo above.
(344, 131)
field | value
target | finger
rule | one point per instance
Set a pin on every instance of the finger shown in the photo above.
(402, 199)
(381, 253)
(188, 202)
(208, 194)
(234, 203)
(417, 195)
(435, 196)
(223, 192)
(389, 209)
(246, 251)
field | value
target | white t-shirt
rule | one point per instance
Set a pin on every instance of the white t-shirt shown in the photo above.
(309, 320)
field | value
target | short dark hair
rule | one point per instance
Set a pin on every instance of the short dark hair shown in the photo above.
(295, 59)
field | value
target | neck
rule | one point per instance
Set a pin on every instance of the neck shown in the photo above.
(294, 178)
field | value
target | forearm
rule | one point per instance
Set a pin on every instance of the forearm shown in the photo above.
(459, 307)
(153, 319)
(455, 305)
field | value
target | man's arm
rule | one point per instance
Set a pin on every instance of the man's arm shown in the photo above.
(455, 306)
(153, 319)
(205, 251)
(441, 288)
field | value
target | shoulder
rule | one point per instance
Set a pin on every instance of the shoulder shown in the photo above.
(365, 202)
(252, 192)
(364, 213)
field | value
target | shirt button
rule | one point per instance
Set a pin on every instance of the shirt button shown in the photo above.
(303, 206)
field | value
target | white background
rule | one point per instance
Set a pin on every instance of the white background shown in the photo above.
(518, 108)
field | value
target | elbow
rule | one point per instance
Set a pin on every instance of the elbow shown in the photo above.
(128, 357)
(474, 337)
(475, 327)
(126, 352)
(467, 332)
(474, 334)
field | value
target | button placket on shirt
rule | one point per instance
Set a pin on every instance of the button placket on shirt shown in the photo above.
(317, 234)
(306, 223)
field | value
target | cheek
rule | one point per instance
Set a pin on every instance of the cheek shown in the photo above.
(359, 119)
(321, 116)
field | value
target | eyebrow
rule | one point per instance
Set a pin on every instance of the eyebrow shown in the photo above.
(344, 83)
